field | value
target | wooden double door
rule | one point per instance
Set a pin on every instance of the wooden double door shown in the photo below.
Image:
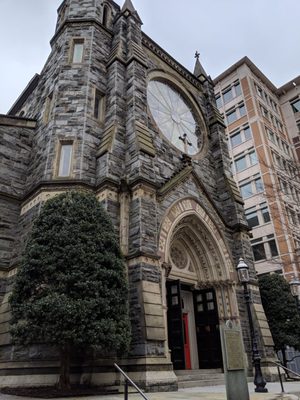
(206, 322)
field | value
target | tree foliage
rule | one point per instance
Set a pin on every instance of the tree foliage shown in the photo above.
(71, 289)
(281, 311)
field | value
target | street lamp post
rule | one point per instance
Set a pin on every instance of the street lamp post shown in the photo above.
(243, 275)
(295, 289)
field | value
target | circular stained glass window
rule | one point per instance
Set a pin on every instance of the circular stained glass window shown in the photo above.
(173, 116)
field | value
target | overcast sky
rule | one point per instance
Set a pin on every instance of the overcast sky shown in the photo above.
(223, 31)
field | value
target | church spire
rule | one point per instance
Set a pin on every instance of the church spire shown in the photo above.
(199, 71)
(128, 7)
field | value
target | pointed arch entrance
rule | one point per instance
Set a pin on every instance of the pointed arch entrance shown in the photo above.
(199, 285)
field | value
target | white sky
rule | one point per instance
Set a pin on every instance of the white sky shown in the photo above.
(223, 31)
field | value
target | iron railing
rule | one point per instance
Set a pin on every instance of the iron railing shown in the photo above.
(278, 365)
(128, 382)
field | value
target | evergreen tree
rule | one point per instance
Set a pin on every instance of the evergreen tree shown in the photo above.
(71, 289)
(281, 311)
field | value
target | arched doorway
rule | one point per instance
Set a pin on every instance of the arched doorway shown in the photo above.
(199, 286)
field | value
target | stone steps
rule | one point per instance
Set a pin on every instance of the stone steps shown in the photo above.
(200, 377)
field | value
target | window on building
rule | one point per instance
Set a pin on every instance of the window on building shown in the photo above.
(65, 159)
(264, 248)
(236, 139)
(240, 164)
(274, 105)
(259, 187)
(246, 160)
(279, 124)
(252, 157)
(77, 51)
(271, 135)
(242, 110)
(296, 105)
(259, 252)
(297, 242)
(252, 217)
(219, 101)
(231, 92)
(247, 133)
(99, 106)
(259, 91)
(251, 187)
(227, 95)
(106, 15)
(237, 89)
(247, 190)
(235, 113)
(257, 215)
(265, 213)
(298, 126)
(48, 107)
(273, 247)
(264, 112)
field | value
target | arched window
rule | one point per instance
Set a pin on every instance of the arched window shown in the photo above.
(106, 15)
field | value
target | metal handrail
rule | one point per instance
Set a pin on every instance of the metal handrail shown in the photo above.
(279, 374)
(127, 381)
(292, 359)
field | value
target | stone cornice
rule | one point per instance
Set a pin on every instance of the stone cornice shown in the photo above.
(163, 55)
(142, 255)
(56, 185)
(142, 181)
(74, 21)
(20, 122)
(9, 196)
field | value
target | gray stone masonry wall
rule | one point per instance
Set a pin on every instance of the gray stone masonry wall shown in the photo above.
(117, 61)
(15, 148)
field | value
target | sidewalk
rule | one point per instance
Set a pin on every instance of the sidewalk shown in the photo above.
(198, 393)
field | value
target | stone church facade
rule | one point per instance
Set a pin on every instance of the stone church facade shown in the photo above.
(114, 114)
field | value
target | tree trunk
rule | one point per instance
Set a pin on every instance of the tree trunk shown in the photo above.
(64, 376)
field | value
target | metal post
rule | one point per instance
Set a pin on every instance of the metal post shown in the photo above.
(126, 390)
(280, 379)
(259, 380)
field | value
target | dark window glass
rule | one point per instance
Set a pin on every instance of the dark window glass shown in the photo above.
(296, 106)
(259, 252)
(273, 248)
(252, 219)
(265, 214)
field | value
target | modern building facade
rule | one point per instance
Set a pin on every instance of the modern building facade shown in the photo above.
(263, 139)
(114, 114)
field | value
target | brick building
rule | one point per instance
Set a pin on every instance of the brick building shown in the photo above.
(263, 137)
(113, 113)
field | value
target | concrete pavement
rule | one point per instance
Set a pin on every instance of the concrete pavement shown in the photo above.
(292, 391)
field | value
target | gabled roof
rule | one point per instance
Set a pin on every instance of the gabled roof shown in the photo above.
(24, 95)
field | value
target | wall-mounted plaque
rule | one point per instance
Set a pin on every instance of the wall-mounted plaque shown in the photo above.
(234, 349)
